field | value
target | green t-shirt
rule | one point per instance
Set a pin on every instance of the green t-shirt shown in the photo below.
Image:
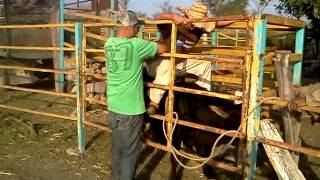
(125, 65)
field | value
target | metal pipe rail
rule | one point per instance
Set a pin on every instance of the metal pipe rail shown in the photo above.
(35, 26)
(290, 147)
(37, 112)
(199, 126)
(194, 91)
(69, 72)
(35, 48)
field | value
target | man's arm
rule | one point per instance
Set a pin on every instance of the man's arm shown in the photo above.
(176, 18)
(223, 23)
(162, 47)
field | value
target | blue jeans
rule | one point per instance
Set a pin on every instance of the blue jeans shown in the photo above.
(126, 144)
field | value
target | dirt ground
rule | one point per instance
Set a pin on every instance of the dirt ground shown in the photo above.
(51, 153)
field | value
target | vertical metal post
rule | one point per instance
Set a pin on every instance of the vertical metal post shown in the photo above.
(299, 44)
(257, 71)
(158, 35)
(214, 38)
(61, 43)
(112, 4)
(237, 37)
(80, 85)
(172, 78)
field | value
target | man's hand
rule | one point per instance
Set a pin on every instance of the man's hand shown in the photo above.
(296, 90)
(296, 103)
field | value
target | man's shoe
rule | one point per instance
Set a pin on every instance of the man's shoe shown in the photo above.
(152, 108)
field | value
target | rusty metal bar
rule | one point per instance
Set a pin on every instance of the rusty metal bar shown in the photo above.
(194, 91)
(38, 91)
(223, 18)
(37, 112)
(199, 126)
(291, 147)
(35, 48)
(35, 26)
(212, 163)
(70, 72)
(238, 61)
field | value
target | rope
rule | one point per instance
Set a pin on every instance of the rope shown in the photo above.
(205, 160)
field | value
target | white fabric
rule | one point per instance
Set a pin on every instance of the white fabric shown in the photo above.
(159, 68)
(312, 94)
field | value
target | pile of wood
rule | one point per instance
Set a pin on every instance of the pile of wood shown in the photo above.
(95, 73)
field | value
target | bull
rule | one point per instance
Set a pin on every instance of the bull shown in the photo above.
(214, 112)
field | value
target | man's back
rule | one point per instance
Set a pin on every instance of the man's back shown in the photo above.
(124, 64)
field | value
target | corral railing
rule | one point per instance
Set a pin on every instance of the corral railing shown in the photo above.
(250, 62)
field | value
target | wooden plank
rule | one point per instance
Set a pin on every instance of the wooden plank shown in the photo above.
(278, 27)
(281, 159)
(226, 79)
(294, 57)
(284, 21)
(237, 25)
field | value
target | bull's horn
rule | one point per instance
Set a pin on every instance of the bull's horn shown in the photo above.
(219, 111)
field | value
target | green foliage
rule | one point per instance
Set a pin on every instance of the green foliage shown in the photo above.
(227, 7)
(298, 8)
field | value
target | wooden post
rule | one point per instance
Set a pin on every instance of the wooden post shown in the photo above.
(169, 113)
(257, 71)
(79, 55)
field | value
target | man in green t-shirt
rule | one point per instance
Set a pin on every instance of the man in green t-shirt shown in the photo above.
(125, 55)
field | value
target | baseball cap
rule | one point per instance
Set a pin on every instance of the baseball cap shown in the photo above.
(128, 18)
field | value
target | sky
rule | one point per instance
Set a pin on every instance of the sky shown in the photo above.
(150, 6)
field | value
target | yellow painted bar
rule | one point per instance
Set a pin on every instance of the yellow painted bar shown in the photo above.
(35, 26)
(226, 79)
(71, 72)
(219, 51)
(284, 21)
(38, 91)
(38, 112)
(36, 48)
(90, 16)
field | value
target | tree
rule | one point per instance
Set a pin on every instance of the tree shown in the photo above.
(165, 7)
(214, 5)
(306, 8)
(227, 7)
(123, 4)
(259, 6)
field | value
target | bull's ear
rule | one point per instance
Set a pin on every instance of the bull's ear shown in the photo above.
(219, 111)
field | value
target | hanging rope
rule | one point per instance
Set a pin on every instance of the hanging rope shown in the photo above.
(205, 160)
